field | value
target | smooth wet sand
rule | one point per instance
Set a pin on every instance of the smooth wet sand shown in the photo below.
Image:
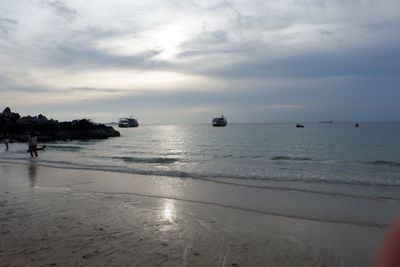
(53, 216)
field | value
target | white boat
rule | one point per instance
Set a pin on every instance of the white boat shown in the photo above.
(219, 122)
(127, 123)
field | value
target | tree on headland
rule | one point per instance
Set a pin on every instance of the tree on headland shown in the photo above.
(18, 128)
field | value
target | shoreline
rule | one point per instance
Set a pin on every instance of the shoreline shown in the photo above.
(384, 199)
(164, 204)
(185, 175)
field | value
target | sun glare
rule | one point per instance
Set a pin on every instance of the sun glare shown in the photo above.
(168, 40)
(168, 212)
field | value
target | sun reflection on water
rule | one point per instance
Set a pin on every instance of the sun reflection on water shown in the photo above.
(172, 140)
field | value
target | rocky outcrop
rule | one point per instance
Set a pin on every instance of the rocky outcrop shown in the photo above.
(17, 128)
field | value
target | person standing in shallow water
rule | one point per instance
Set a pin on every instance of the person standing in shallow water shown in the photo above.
(6, 142)
(32, 143)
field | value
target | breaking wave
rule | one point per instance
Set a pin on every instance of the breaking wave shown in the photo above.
(200, 175)
(383, 163)
(291, 158)
(159, 160)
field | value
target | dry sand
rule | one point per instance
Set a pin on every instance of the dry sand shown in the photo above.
(52, 216)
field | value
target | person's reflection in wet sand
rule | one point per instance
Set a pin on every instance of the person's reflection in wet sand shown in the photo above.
(32, 172)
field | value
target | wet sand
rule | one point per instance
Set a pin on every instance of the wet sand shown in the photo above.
(53, 216)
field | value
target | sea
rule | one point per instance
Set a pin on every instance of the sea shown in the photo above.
(321, 153)
(330, 172)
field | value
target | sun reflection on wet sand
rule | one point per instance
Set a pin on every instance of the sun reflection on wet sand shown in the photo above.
(168, 212)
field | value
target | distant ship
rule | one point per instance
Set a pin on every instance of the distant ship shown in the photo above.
(299, 125)
(325, 122)
(219, 122)
(127, 123)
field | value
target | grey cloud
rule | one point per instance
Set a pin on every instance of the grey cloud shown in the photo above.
(14, 87)
(223, 4)
(13, 84)
(81, 56)
(210, 6)
(207, 43)
(6, 25)
(93, 33)
(207, 39)
(266, 22)
(214, 43)
(354, 63)
(205, 52)
(90, 89)
(78, 50)
(326, 32)
(7, 85)
(218, 36)
(60, 8)
(8, 21)
(239, 19)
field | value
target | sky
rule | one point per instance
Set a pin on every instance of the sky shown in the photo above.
(170, 61)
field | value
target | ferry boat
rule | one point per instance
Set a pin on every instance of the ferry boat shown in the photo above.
(127, 123)
(219, 122)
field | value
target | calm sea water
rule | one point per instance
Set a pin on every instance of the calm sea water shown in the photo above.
(320, 153)
(333, 173)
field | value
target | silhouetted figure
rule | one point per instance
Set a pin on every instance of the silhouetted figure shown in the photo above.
(357, 125)
(6, 142)
(32, 143)
(42, 148)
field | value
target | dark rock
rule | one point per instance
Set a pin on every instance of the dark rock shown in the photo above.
(18, 128)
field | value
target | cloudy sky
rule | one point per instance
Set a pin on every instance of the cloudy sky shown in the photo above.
(179, 61)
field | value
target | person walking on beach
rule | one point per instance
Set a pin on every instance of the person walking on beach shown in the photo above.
(32, 142)
(6, 142)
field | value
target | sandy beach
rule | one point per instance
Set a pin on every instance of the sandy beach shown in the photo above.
(56, 216)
